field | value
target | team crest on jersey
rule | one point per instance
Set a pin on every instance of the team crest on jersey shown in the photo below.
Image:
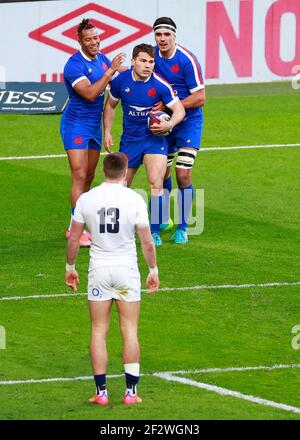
(78, 140)
(90, 70)
(152, 92)
(175, 68)
(127, 90)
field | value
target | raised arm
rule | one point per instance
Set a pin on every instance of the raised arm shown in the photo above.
(89, 91)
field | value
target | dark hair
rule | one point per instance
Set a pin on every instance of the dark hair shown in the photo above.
(84, 25)
(114, 165)
(143, 48)
(164, 20)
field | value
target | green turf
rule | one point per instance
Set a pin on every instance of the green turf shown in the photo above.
(251, 235)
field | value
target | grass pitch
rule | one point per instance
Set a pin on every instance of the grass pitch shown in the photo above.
(251, 236)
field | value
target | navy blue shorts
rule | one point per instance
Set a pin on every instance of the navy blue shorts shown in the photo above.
(79, 136)
(135, 151)
(187, 134)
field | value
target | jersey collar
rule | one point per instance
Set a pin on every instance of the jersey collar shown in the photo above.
(85, 56)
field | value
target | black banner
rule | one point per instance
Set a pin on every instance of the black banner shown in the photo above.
(32, 97)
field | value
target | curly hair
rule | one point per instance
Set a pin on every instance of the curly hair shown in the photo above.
(85, 24)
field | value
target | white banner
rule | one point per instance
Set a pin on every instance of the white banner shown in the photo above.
(235, 40)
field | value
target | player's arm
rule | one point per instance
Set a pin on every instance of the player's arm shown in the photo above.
(178, 113)
(195, 85)
(149, 252)
(72, 278)
(108, 119)
(91, 92)
(195, 100)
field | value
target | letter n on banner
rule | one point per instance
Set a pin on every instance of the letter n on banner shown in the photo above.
(239, 47)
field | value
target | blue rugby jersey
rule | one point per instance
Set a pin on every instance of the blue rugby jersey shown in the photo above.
(183, 71)
(79, 66)
(137, 99)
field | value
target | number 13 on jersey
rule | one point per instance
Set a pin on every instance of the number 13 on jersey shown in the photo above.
(109, 220)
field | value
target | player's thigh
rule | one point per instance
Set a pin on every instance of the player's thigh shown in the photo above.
(131, 172)
(129, 313)
(156, 165)
(100, 313)
(93, 158)
(78, 160)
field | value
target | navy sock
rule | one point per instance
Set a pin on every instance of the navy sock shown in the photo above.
(168, 184)
(73, 210)
(155, 210)
(166, 200)
(185, 202)
(100, 381)
(131, 382)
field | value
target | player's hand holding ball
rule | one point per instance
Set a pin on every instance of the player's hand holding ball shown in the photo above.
(159, 123)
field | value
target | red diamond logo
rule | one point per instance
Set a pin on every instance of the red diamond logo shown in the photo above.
(107, 30)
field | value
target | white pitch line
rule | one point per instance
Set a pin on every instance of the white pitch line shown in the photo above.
(114, 376)
(47, 156)
(164, 289)
(249, 147)
(227, 392)
(238, 147)
(235, 369)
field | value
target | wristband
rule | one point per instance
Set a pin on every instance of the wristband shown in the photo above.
(70, 267)
(153, 270)
(108, 75)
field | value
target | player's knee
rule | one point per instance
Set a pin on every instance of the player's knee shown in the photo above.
(129, 331)
(99, 332)
(171, 157)
(186, 159)
(79, 176)
(184, 177)
(90, 177)
(156, 184)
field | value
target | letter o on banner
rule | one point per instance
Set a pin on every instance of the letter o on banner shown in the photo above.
(273, 35)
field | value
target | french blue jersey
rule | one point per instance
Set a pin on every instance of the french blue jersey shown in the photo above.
(78, 67)
(183, 71)
(137, 98)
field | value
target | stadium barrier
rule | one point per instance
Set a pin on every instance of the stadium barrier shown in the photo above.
(32, 97)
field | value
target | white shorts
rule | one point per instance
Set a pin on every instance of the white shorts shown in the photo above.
(114, 282)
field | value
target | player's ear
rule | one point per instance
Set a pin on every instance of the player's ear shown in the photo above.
(132, 61)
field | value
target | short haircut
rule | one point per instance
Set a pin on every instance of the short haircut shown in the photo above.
(114, 165)
(164, 20)
(148, 48)
(84, 25)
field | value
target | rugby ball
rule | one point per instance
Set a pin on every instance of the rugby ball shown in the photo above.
(156, 118)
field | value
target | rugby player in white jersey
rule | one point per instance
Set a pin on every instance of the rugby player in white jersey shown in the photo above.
(113, 212)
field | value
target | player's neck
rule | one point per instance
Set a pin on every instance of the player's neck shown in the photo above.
(118, 181)
(137, 77)
(86, 55)
(169, 53)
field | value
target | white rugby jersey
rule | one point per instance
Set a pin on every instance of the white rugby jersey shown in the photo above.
(111, 212)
